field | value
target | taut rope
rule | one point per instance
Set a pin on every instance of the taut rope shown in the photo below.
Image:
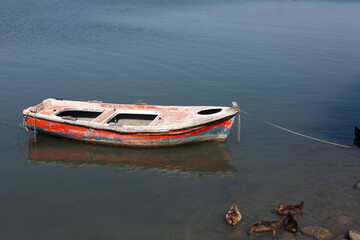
(236, 107)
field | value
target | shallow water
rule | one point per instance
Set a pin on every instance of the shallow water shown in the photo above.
(294, 63)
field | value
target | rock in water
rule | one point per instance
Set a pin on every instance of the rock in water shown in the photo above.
(338, 224)
(357, 186)
(354, 235)
(317, 232)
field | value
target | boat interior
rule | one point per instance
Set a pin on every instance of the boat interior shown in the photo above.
(132, 119)
(82, 115)
(113, 115)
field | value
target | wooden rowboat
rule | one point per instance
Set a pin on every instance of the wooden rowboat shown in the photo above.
(137, 125)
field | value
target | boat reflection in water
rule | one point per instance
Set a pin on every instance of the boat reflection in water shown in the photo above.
(203, 158)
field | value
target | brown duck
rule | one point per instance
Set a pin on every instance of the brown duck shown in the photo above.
(233, 216)
(265, 226)
(290, 224)
(293, 209)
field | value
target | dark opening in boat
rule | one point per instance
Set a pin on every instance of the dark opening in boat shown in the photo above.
(209, 111)
(79, 115)
(133, 119)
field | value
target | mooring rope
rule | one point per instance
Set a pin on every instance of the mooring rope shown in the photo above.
(9, 116)
(21, 126)
(9, 125)
(236, 107)
(35, 139)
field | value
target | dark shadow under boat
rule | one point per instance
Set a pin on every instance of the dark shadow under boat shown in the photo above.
(207, 158)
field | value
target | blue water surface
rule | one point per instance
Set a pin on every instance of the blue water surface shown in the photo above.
(293, 63)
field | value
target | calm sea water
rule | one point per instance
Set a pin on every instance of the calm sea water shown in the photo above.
(294, 63)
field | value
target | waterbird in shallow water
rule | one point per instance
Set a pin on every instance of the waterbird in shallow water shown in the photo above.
(293, 209)
(265, 226)
(290, 224)
(357, 132)
(357, 137)
(233, 216)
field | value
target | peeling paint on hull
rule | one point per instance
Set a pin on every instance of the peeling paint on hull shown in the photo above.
(214, 131)
(130, 124)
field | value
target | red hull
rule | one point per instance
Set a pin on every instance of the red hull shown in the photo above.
(218, 130)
